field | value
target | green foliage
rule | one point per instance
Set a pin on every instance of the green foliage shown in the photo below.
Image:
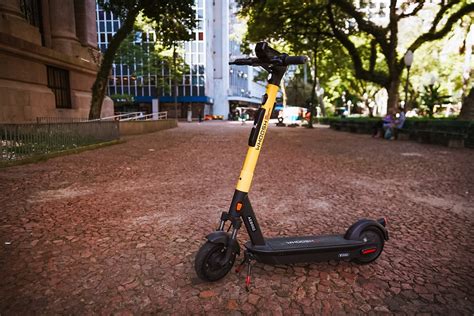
(171, 19)
(122, 98)
(298, 93)
(298, 27)
(145, 57)
(443, 59)
(432, 96)
(353, 55)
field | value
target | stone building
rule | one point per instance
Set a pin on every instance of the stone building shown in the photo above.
(48, 59)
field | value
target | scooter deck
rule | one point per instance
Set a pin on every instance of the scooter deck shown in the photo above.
(285, 250)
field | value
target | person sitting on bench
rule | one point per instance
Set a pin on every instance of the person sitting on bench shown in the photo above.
(388, 124)
(398, 125)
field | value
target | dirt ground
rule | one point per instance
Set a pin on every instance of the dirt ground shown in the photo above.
(115, 230)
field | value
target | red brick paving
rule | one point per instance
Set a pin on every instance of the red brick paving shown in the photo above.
(115, 230)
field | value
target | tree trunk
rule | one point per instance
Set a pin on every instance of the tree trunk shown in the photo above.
(312, 106)
(321, 99)
(468, 43)
(393, 96)
(175, 83)
(100, 84)
(283, 93)
(467, 109)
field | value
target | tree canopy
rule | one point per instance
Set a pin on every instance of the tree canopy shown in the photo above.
(375, 50)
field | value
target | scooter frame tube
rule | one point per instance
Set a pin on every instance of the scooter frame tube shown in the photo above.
(259, 129)
(240, 205)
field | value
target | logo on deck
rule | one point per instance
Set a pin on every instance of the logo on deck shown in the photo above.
(304, 241)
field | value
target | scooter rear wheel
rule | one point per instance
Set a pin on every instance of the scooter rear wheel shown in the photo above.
(208, 263)
(372, 235)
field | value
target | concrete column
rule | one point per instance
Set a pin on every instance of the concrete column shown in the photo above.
(63, 26)
(221, 57)
(12, 22)
(46, 23)
(86, 27)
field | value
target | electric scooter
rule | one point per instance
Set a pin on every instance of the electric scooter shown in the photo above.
(363, 242)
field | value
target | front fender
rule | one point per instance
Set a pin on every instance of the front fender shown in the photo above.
(356, 229)
(221, 237)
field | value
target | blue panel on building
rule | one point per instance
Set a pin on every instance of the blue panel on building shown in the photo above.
(181, 99)
(143, 99)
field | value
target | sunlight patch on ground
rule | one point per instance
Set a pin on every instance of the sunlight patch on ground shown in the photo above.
(411, 154)
(52, 195)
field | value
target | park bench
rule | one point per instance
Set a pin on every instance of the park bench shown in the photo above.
(450, 133)
(353, 126)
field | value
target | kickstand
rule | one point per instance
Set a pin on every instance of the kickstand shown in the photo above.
(244, 261)
(249, 273)
(247, 260)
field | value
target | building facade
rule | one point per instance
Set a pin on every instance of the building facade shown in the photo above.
(208, 84)
(48, 59)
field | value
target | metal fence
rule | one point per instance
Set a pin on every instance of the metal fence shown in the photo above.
(20, 141)
(45, 119)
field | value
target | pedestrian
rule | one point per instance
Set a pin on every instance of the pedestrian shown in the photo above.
(200, 116)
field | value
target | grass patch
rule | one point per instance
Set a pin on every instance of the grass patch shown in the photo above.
(44, 157)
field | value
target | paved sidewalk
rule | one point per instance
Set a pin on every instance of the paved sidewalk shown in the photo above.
(115, 230)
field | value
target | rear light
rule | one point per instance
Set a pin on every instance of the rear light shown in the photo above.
(369, 251)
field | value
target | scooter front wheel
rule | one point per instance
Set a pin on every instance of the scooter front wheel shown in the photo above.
(208, 263)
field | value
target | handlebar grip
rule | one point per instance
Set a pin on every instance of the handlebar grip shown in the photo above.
(244, 61)
(295, 60)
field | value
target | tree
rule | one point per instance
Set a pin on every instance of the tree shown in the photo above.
(467, 110)
(147, 57)
(300, 24)
(385, 40)
(432, 96)
(376, 52)
(172, 20)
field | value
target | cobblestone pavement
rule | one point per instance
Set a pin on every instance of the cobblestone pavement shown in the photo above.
(115, 230)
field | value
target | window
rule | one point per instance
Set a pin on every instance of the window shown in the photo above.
(58, 82)
(31, 10)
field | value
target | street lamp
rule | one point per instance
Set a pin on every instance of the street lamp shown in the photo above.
(408, 59)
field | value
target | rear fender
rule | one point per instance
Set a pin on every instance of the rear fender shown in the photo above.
(356, 229)
(221, 237)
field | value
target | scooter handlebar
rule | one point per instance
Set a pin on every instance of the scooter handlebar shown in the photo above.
(282, 60)
(245, 62)
(295, 60)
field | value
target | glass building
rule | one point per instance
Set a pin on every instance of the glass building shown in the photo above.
(207, 83)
